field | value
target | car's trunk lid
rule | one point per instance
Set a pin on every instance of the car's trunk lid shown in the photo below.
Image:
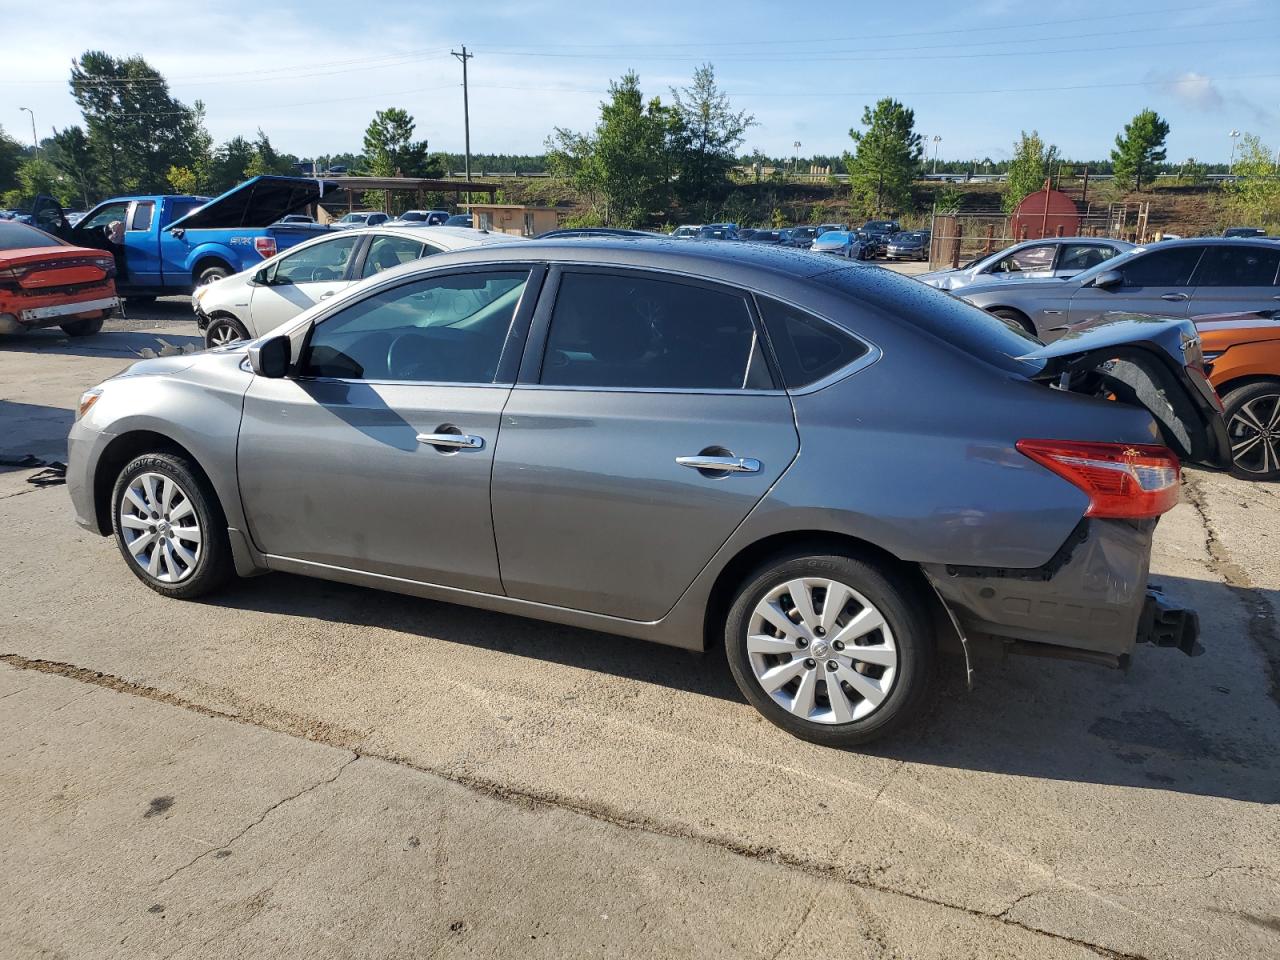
(1152, 362)
(258, 202)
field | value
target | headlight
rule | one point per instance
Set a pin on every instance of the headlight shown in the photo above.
(87, 400)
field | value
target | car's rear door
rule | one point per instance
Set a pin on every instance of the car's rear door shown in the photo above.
(1157, 282)
(644, 428)
(1237, 278)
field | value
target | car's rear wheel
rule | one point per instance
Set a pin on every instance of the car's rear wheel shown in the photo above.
(223, 330)
(211, 273)
(169, 526)
(833, 649)
(1252, 413)
(82, 328)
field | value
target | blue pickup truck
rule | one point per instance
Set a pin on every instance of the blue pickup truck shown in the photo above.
(173, 244)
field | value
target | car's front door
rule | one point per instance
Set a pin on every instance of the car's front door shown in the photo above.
(1237, 278)
(635, 443)
(1025, 263)
(1076, 258)
(301, 279)
(376, 455)
(140, 244)
(1156, 282)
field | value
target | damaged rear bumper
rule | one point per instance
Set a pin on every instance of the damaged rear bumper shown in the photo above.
(1090, 601)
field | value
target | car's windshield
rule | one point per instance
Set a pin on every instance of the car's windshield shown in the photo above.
(18, 236)
(880, 225)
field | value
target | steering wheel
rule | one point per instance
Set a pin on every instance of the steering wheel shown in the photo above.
(324, 273)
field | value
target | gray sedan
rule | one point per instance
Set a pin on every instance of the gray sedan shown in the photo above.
(1175, 278)
(1030, 260)
(608, 432)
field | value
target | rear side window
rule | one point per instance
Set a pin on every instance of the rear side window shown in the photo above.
(636, 332)
(1162, 268)
(1241, 266)
(964, 326)
(1084, 256)
(807, 348)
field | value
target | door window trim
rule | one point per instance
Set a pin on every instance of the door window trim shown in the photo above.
(535, 352)
(512, 347)
(1195, 267)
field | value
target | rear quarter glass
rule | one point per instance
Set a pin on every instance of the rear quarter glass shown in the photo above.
(965, 327)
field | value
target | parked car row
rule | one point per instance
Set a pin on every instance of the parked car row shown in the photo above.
(609, 430)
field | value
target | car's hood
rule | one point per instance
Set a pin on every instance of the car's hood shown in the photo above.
(259, 202)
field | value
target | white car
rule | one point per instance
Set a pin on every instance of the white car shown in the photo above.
(251, 303)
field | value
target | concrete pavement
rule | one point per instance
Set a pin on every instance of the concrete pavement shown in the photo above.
(1059, 810)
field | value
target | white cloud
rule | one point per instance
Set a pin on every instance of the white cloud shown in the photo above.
(1195, 90)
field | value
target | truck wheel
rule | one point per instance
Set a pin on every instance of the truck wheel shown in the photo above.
(223, 330)
(82, 328)
(210, 274)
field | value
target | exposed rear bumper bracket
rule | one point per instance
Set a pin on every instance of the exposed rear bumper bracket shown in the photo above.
(1164, 625)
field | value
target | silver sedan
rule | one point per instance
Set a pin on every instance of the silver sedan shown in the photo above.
(1031, 260)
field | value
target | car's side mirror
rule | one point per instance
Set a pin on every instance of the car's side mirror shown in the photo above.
(1109, 280)
(270, 358)
(260, 278)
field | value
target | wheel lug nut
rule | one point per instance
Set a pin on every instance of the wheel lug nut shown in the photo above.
(820, 632)
(811, 664)
(839, 645)
(802, 643)
(833, 665)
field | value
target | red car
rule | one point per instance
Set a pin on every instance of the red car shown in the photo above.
(47, 282)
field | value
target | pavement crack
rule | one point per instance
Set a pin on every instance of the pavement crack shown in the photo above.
(1262, 628)
(795, 932)
(324, 781)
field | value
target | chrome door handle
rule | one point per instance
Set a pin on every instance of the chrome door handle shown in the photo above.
(327, 294)
(725, 464)
(1174, 297)
(457, 441)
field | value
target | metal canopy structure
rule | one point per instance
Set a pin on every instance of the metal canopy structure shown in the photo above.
(415, 185)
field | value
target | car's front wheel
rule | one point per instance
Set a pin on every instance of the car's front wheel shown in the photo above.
(223, 330)
(834, 649)
(1252, 413)
(169, 526)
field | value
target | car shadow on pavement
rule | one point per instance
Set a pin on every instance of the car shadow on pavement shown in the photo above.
(126, 344)
(32, 429)
(1206, 725)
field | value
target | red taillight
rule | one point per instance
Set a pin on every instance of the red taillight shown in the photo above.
(265, 246)
(1127, 481)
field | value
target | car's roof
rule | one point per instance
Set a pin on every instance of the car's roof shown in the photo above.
(726, 259)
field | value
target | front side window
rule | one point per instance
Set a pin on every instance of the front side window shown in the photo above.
(387, 252)
(620, 331)
(1170, 267)
(807, 347)
(104, 216)
(143, 211)
(315, 264)
(1242, 266)
(1078, 257)
(439, 330)
(1028, 258)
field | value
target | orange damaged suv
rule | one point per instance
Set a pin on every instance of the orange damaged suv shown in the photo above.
(47, 282)
(1242, 354)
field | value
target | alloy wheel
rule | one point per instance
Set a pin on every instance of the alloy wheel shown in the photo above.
(1255, 434)
(221, 334)
(160, 528)
(822, 650)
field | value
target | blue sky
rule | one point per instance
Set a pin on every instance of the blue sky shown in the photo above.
(975, 71)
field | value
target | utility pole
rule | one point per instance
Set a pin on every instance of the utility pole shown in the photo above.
(936, 140)
(35, 140)
(466, 110)
(1231, 166)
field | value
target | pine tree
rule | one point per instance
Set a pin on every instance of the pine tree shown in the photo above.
(887, 156)
(1139, 149)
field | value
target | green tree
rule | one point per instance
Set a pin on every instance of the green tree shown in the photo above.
(1255, 193)
(230, 165)
(136, 129)
(391, 151)
(267, 160)
(1030, 167)
(11, 156)
(623, 163)
(69, 151)
(1140, 149)
(886, 158)
(36, 175)
(705, 134)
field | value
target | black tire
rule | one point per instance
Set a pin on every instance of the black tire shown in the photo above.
(1261, 461)
(213, 566)
(1015, 317)
(903, 610)
(82, 328)
(211, 273)
(222, 323)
